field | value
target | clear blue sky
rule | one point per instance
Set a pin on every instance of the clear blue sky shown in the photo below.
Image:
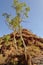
(34, 22)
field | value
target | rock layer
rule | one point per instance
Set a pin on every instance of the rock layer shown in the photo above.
(34, 49)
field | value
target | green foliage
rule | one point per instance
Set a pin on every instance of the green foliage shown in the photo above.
(5, 14)
(19, 42)
(7, 17)
(6, 39)
(26, 11)
(21, 7)
(14, 23)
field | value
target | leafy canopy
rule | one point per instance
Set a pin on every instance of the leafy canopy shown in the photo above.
(21, 8)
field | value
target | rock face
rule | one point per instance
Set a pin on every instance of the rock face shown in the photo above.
(34, 49)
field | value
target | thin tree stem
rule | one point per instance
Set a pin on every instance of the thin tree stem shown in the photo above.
(23, 43)
(15, 43)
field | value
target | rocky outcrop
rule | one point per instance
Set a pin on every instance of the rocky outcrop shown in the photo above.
(34, 49)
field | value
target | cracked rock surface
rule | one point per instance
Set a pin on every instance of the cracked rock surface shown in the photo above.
(34, 49)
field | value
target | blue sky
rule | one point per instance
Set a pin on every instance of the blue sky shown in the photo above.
(34, 22)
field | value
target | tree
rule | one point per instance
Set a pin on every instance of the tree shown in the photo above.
(15, 23)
